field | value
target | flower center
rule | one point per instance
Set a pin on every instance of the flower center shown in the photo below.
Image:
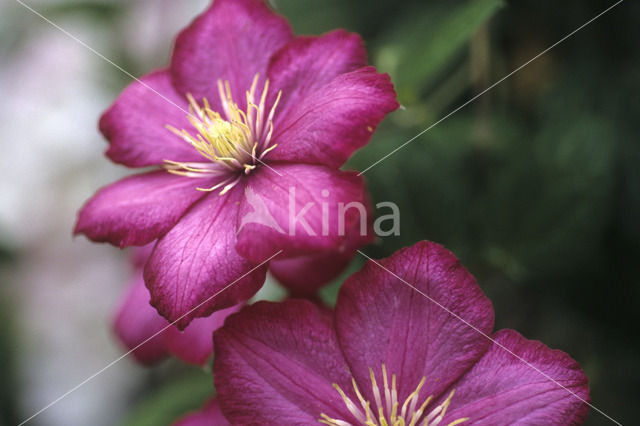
(233, 141)
(390, 412)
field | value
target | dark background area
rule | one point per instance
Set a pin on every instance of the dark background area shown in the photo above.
(535, 185)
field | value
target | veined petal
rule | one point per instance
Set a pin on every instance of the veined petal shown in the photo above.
(502, 389)
(299, 211)
(231, 41)
(197, 260)
(138, 209)
(410, 334)
(135, 125)
(137, 323)
(309, 62)
(275, 363)
(328, 125)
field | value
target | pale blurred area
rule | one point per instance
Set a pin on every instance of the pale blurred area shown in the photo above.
(535, 186)
(58, 292)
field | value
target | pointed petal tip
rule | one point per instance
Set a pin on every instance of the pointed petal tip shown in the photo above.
(195, 270)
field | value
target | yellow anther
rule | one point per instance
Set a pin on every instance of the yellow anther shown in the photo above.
(390, 412)
(232, 140)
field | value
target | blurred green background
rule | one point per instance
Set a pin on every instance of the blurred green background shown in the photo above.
(535, 185)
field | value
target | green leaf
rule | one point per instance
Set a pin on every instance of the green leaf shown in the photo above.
(421, 46)
(547, 204)
(99, 10)
(309, 17)
(163, 406)
(431, 180)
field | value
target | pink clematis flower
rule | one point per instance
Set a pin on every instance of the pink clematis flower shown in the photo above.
(244, 117)
(139, 327)
(391, 356)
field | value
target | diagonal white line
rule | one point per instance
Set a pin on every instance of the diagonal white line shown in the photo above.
(127, 73)
(382, 159)
(101, 56)
(489, 338)
(492, 86)
(115, 361)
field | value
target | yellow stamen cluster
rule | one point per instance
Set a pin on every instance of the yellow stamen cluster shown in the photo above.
(389, 412)
(232, 140)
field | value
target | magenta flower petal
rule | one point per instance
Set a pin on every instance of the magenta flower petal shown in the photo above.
(210, 415)
(328, 125)
(276, 363)
(233, 41)
(304, 275)
(138, 209)
(197, 260)
(309, 62)
(195, 344)
(136, 321)
(211, 119)
(501, 389)
(291, 206)
(401, 328)
(135, 125)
